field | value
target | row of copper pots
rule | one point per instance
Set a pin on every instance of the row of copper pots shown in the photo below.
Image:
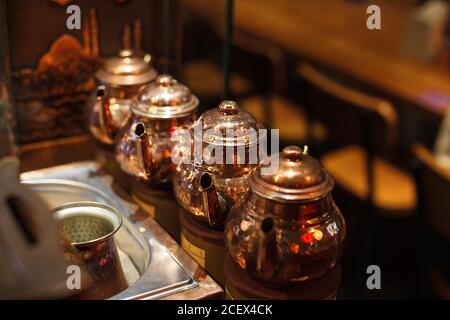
(281, 226)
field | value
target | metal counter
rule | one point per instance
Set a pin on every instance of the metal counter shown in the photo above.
(158, 267)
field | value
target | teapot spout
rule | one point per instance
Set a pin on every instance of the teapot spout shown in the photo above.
(214, 205)
(268, 256)
(104, 116)
(143, 152)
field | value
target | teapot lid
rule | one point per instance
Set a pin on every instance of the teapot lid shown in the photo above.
(164, 98)
(127, 69)
(299, 177)
(228, 125)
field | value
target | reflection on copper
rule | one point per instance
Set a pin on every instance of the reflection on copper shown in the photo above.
(163, 106)
(267, 257)
(304, 236)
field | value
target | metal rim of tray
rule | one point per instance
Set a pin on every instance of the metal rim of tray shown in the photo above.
(142, 231)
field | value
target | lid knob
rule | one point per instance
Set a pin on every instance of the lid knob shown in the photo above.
(293, 153)
(125, 53)
(165, 80)
(228, 108)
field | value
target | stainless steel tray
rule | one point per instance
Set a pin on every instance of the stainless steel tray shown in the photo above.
(152, 271)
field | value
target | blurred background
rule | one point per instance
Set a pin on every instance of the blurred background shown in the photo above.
(372, 104)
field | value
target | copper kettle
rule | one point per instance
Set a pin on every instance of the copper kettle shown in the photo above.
(225, 148)
(120, 78)
(287, 228)
(144, 145)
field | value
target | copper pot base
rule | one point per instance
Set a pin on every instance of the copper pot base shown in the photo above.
(205, 245)
(240, 286)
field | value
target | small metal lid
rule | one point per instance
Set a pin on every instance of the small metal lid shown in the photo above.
(228, 125)
(164, 98)
(299, 177)
(127, 69)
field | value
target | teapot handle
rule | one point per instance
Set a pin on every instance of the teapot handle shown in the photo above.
(143, 151)
(104, 113)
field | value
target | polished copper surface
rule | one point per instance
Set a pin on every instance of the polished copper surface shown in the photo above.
(287, 228)
(108, 108)
(90, 228)
(164, 98)
(228, 125)
(127, 69)
(233, 133)
(299, 177)
(144, 146)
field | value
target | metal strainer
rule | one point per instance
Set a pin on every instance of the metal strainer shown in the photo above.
(90, 227)
(85, 228)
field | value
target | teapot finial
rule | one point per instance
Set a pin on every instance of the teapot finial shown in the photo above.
(165, 80)
(228, 108)
(293, 153)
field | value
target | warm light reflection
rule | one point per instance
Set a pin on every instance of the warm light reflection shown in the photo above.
(318, 235)
(290, 173)
(245, 225)
(295, 248)
(307, 238)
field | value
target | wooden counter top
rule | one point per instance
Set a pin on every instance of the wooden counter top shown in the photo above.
(333, 33)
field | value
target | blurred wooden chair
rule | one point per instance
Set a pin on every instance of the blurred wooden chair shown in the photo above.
(258, 78)
(433, 189)
(362, 128)
(202, 69)
(205, 78)
(361, 131)
(269, 104)
(278, 112)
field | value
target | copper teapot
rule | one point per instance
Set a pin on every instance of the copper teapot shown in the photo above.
(120, 78)
(211, 182)
(287, 228)
(144, 145)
